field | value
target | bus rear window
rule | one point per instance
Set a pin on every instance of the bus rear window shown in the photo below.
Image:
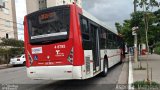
(49, 25)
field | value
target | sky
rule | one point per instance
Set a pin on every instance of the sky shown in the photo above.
(108, 11)
(20, 13)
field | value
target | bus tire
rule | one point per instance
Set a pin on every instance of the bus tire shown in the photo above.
(105, 69)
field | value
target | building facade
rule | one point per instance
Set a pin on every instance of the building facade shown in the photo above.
(35, 5)
(8, 24)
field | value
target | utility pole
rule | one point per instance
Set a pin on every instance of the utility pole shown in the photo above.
(134, 32)
(135, 47)
(135, 35)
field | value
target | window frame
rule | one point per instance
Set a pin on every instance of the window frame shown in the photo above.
(82, 28)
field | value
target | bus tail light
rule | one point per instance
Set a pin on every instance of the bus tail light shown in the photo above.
(70, 57)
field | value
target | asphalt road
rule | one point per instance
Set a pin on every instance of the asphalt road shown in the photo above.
(16, 79)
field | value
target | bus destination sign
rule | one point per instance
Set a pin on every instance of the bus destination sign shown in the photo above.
(47, 17)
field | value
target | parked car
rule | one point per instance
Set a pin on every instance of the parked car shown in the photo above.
(18, 60)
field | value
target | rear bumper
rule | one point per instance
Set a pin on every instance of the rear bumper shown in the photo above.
(15, 62)
(55, 72)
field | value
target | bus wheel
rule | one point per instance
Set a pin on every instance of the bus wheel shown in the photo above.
(105, 69)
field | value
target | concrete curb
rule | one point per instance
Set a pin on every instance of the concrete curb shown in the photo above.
(130, 74)
(3, 66)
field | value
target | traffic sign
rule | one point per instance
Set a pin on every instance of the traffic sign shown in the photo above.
(134, 30)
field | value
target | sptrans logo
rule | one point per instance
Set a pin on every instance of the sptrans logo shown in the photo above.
(37, 50)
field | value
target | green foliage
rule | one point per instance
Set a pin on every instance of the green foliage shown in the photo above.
(3, 51)
(149, 4)
(11, 42)
(143, 85)
(10, 48)
(119, 27)
(16, 51)
(145, 20)
(157, 48)
(137, 19)
(157, 14)
(157, 44)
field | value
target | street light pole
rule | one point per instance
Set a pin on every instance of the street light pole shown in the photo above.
(135, 35)
(135, 49)
(134, 32)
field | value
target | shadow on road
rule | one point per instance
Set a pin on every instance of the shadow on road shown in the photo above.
(95, 83)
(18, 66)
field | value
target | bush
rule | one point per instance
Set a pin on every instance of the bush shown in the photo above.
(157, 44)
(143, 85)
(157, 50)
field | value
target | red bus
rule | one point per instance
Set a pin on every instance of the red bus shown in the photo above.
(65, 42)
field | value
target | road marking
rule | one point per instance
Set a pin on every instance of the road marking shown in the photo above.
(130, 76)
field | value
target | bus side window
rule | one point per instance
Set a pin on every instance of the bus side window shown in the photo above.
(110, 40)
(85, 33)
(84, 29)
(106, 31)
(103, 39)
(119, 43)
(115, 42)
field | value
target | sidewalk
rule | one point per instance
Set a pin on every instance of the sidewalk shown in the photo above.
(3, 66)
(123, 80)
(154, 63)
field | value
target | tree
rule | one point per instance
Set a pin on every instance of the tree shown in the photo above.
(10, 48)
(137, 19)
(126, 28)
(147, 6)
(119, 27)
(11, 42)
(157, 14)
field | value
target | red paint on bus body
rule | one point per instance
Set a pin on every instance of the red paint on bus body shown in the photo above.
(48, 56)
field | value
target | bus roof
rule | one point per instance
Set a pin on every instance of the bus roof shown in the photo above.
(91, 17)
